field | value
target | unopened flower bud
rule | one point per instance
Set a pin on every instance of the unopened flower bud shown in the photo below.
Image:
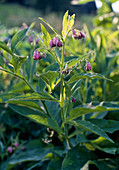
(88, 66)
(37, 41)
(73, 100)
(9, 149)
(55, 41)
(59, 43)
(51, 43)
(35, 54)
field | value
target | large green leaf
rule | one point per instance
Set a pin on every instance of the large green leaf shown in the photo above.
(88, 126)
(46, 36)
(109, 126)
(79, 111)
(18, 38)
(78, 76)
(36, 116)
(34, 96)
(76, 158)
(6, 96)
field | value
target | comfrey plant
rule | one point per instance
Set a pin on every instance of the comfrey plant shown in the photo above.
(54, 100)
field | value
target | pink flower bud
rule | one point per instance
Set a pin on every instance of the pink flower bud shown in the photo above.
(9, 149)
(73, 100)
(51, 43)
(88, 66)
(35, 54)
(30, 38)
(16, 144)
(55, 41)
(59, 43)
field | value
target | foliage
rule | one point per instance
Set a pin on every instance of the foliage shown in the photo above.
(74, 110)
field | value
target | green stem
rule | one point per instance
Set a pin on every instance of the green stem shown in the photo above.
(62, 99)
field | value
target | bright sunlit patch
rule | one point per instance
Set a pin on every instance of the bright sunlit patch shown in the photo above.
(98, 3)
(115, 7)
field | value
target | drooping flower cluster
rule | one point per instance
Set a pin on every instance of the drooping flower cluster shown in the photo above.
(87, 66)
(55, 43)
(77, 35)
(38, 55)
(10, 149)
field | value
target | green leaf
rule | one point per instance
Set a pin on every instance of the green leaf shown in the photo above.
(4, 46)
(2, 63)
(67, 90)
(76, 158)
(35, 96)
(79, 76)
(55, 164)
(29, 103)
(36, 116)
(50, 78)
(46, 36)
(79, 111)
(6, 96)
(17, 38)
(55, 31)
(109, 126)
(88, 126)
(84, 1)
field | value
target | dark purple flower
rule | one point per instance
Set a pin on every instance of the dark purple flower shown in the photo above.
(77, 35)
(59, 43)
(37, 41)
(9, 149)
(88, 66)
(51, 43)
(73, 100)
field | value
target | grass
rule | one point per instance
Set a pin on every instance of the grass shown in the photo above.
(12, 15)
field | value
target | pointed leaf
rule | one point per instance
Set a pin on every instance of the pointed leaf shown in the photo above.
(78, 76)
(46, 36)
(35, 96)
(76, 112)
(88, 126)
(55, 31)
(17, 38)
(4, 46)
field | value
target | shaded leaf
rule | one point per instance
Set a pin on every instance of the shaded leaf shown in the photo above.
(76, 158)
(4, 46)
(55, 164)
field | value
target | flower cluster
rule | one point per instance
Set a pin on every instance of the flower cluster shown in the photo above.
(55, 43)
(10, 149)
(38, 55)
(77, 35)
